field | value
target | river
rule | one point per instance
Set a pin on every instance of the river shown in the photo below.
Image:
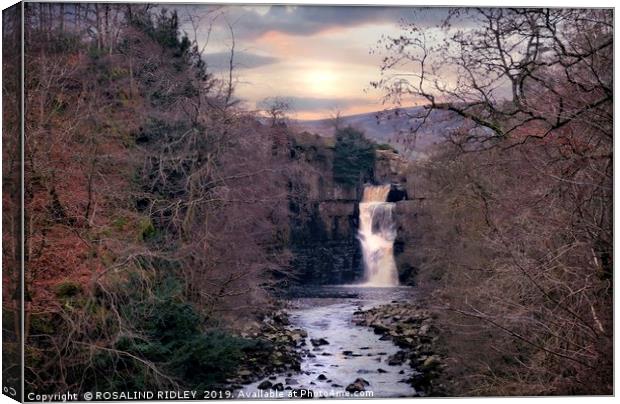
(351, 351)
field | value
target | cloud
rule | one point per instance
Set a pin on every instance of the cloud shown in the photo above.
(243, 60)
(252, 22)
(313, 104)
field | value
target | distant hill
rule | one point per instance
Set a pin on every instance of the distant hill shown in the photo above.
(394, 127)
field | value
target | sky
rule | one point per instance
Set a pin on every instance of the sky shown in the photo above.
(318, 58)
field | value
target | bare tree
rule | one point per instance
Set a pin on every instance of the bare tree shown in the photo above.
(522, 197)
(277, 109)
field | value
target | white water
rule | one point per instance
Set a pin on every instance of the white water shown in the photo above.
(376, 234)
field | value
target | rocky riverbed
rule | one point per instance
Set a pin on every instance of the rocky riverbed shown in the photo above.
(331, 346)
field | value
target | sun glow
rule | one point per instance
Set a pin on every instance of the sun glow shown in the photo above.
(321, 81)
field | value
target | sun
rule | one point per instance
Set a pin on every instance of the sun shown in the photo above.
(322, 80)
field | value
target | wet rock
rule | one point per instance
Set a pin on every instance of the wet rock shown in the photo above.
(318, 342)
(272, 377)
(281, 318)
(382, 371)
(291, 381)
(358, 385)
(431, 363)
(265, 385)
(380, 328)
(397, 359)
(326, 354)
(385, 337)
(278, 387)
(322, 377)
(336, 385)
(347, 353)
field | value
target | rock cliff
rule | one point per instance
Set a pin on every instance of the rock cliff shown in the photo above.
(325, 214)
(324, 218)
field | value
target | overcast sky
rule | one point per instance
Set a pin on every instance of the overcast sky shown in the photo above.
(316, 56)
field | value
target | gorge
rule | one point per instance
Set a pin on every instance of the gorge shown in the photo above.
(351, 245)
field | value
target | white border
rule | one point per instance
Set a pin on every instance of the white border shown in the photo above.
(489, 3)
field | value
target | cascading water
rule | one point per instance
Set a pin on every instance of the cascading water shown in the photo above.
(376, 234)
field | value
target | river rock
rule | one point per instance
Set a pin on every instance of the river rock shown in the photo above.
(265, 385)
(291, 381)
(382, 371)
(280, 318)
(397, 359)
(380, 328)
(318, 342)
(278, 387)
(322, 377)
(358, 385)
(431, 363)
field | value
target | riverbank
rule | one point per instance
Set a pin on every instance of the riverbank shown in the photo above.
(410, 327)
(277, 351)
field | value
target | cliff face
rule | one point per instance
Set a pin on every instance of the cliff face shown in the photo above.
(324, 217)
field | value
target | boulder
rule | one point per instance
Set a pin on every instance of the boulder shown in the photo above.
(397, 359)
(318, 342)
(358, 385)
(265, 385)
(431, 363)
(291, 381)
(380, 328)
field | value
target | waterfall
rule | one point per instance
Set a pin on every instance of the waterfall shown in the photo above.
(376, 234)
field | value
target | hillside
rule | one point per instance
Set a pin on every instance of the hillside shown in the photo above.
(395, 127)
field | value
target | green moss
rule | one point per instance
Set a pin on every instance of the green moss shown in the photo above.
(146, 230)
(119, 223)
(67, 289)
(41, 324)
(118, 72)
